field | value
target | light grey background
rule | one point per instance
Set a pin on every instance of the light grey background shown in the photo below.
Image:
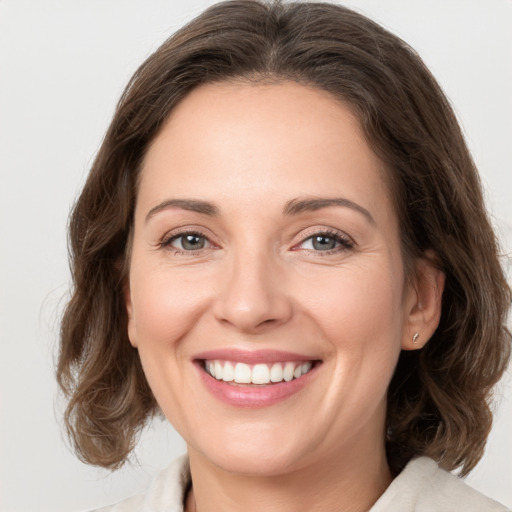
(63, 65)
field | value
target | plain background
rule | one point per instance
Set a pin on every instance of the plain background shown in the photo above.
(63, 65)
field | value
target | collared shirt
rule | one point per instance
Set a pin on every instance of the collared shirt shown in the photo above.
(421, 487)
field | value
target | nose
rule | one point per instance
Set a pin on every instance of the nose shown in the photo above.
(253, 295)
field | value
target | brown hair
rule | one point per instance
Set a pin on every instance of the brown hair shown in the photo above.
(438, 400)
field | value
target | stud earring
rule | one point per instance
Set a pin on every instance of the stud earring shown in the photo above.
(415, 338)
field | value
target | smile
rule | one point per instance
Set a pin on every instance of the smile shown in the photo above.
(260, 373)
(255, 379)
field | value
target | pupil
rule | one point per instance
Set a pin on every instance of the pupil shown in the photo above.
(324, 243)
(192, 242)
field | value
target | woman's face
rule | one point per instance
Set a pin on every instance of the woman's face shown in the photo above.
(266, 246)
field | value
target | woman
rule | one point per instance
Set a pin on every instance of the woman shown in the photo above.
(282, 245)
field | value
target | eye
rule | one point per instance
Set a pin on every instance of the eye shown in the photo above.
(326, 242)
(188, 242)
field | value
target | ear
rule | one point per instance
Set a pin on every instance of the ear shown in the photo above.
(129, 311)
(423, 303)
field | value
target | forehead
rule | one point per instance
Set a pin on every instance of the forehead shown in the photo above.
(243, 141)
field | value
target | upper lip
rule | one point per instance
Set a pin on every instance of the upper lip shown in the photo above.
(252, 356)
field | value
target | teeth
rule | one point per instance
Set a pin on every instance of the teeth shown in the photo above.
(210, 368)
(288, 372)
(218, 370)
(276, 373)
(260, 373)
(228, 372)
(243, 374)
(306, 367)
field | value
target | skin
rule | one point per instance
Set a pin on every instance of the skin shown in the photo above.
(259, 283)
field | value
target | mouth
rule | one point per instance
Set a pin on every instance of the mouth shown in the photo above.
(255, 379)
(260, 374)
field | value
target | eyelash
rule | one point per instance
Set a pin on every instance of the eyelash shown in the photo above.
(169, 239)
(344, 243)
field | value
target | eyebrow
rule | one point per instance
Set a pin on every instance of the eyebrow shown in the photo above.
(296, 206)
(192, 205)
(292, 207)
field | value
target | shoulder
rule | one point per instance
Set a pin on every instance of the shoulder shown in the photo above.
(423, 486)
(452, 493)
(165, 494)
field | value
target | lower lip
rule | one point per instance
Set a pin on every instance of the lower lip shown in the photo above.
(254, 396)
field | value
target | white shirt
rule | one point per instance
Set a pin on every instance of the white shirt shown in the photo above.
(421, 487)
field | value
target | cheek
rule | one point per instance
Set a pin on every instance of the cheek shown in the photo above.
(359, 316)
(358, 309)
(164, 306)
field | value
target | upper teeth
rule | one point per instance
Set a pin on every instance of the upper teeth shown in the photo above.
(261, 373)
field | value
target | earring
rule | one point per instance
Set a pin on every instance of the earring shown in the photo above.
(415, 338)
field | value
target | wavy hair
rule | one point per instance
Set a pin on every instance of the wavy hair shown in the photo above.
(439, 397)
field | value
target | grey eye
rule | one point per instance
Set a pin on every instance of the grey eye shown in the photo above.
(320, 243)
(323, 242)
(189, 242)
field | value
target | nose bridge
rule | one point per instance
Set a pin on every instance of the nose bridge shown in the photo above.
(252, 294)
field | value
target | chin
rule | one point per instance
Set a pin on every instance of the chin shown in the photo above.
(255, 453)
(255, 462)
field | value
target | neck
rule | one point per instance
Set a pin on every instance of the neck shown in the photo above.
(347, 482)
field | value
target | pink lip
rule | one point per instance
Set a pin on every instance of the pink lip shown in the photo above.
(251, 395)
(253, 356)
